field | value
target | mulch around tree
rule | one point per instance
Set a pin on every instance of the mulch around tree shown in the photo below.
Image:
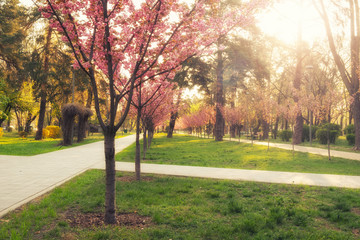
(356, 211)
(93, 220)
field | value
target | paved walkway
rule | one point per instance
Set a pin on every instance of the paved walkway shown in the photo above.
(25, 178)
(319, 151)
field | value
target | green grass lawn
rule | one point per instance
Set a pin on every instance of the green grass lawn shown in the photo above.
(193, 151)
(12, 144)
(190, 208)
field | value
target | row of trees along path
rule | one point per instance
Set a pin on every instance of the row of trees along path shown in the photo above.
(130, 43)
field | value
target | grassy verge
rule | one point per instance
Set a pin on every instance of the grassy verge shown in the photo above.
(192, 151)
(189, 208)
(12, 144)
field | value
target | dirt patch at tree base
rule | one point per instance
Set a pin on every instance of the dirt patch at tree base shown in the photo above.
(356, 211)
(92, 220)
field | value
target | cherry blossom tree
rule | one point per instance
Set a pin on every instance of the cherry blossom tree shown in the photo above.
(235, 118)
(129, 43)
(158, 112)
(145, 95)
(328, 108)
(199, 121)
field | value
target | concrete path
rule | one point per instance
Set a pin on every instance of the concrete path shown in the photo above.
(327, 180)
(319, 151)
(25, 178)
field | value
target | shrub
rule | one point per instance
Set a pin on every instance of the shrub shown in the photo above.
(349, 129)
(53, 132)
(1, 132)
(274, 132)
(45, 133)
(305, 133)
(31, 129)
(351, 139)
(285, 135)
(322, 132)
(23, 134)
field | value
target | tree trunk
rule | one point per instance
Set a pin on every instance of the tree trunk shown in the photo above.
(68, 129)
(144, 143)
(30, 118)
(7, 113)
(8, 124)
(173, 118)
(137, 150)
(356, 111)
(232, 131)
(41, 119)
(298, 128)
(81, 128)
(150, 137)
(43, 93)
(328, 140)
(276, 127)
(20, 127)
(265, 129)
(89, 98)
(109, 135)
(219, 99)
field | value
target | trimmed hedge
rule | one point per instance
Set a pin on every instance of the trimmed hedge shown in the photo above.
(349, 129)
(322, 132)
(52, 132)
(23, 134)
(285, 135)
(351, 139)
(305, 133)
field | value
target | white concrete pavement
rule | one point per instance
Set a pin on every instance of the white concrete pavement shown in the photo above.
(25, 178)
(326, 180)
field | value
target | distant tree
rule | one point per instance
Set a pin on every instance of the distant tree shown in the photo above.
(194, 72)
(43, 85)
(12, 33)
(349, 77)
(226, 7)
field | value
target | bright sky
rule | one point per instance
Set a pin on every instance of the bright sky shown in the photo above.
(27, 3)
(281, 21)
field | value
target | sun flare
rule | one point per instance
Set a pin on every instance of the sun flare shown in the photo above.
(282, 21)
